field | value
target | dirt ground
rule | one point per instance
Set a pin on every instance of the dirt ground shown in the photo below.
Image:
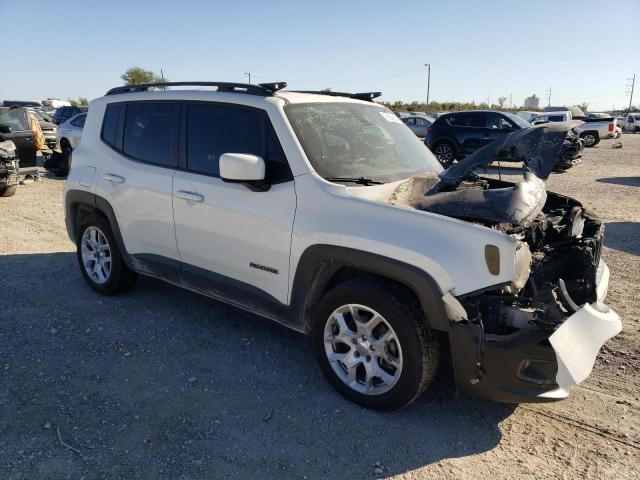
(162, 383)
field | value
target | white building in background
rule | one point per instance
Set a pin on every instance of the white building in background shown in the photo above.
(532, 101)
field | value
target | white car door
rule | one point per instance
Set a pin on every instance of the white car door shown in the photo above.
(137, 180)
(227, 233)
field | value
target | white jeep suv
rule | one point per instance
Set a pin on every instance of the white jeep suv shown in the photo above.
(325, 213)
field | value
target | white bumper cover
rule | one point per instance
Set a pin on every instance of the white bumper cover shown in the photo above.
(578, 340)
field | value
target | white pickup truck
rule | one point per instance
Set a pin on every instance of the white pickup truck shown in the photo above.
(594, 130)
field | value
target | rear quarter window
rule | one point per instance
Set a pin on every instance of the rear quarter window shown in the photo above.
(110, 123)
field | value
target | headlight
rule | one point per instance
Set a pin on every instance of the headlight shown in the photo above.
(522, 264)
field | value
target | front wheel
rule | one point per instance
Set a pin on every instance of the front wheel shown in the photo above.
(8, 191)
(372, 344)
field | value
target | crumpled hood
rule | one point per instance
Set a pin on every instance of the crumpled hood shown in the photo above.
(491, 201)
(537, 147)
(7, 149)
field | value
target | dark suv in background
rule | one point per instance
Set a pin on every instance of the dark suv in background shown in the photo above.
(65, 113)
(455, 135)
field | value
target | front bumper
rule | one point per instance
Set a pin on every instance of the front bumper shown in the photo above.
(533, 364)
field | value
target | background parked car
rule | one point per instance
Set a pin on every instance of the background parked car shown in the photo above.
(527, 115)
(455, 135)
(632, 122)
(595, 129)
(21, 133)
(70, 132)
(21, 103)
(563, 116)
(418, 124)
(65, 113)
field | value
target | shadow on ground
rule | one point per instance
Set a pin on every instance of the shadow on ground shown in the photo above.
(623, 236)
(162, 383)
(626, 181)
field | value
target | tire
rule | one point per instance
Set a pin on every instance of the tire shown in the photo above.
(112, 276)
(445, 152)
(8, 191)
(409, 344)
(591, 139)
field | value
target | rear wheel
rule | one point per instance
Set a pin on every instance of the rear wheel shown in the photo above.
(445, 152)
(99, 258)
(372, 344)
(8, 191)
(591, 139)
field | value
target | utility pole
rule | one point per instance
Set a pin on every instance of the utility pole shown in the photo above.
(510, 100)
(549, 96)
(162, 77)
(428, 65)
(248, 74)
(633, 83)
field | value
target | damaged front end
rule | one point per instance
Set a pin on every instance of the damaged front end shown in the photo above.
(9, 164)
(533, 338)
(534, 343)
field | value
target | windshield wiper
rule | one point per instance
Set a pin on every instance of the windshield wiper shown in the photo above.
(358, 180)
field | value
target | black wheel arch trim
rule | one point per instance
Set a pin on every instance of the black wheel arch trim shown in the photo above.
(319, 263)
(79, 201)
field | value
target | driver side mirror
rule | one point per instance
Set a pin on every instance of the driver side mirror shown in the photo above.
(244, 168)
(5, 128)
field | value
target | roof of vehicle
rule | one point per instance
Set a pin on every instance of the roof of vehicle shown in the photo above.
(267, 90)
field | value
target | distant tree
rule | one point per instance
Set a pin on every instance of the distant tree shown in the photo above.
(81, 101)
(138, 75)
(325, 90)
(501, 102)
(584, 106)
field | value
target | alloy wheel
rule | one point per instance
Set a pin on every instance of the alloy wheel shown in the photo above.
(589, 140)
(96, 255)
(444, 153)
(363, 349)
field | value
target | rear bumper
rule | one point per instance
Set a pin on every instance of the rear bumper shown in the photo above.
(533, 364)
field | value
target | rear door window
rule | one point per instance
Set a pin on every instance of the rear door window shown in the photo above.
(150, 131)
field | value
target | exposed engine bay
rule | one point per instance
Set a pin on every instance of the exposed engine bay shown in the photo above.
(563, 239)
(509, 327)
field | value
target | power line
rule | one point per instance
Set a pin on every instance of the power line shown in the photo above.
(633, 83)
(549, 96)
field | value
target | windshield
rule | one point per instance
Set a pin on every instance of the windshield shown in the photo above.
(356, 140)
(521, 122)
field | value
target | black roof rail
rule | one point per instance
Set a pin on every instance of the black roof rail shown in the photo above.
(368, 96)
(263, 89)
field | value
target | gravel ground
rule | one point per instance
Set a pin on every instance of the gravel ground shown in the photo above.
(161, 383)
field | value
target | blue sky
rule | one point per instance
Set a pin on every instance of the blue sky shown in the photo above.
(584, 50)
